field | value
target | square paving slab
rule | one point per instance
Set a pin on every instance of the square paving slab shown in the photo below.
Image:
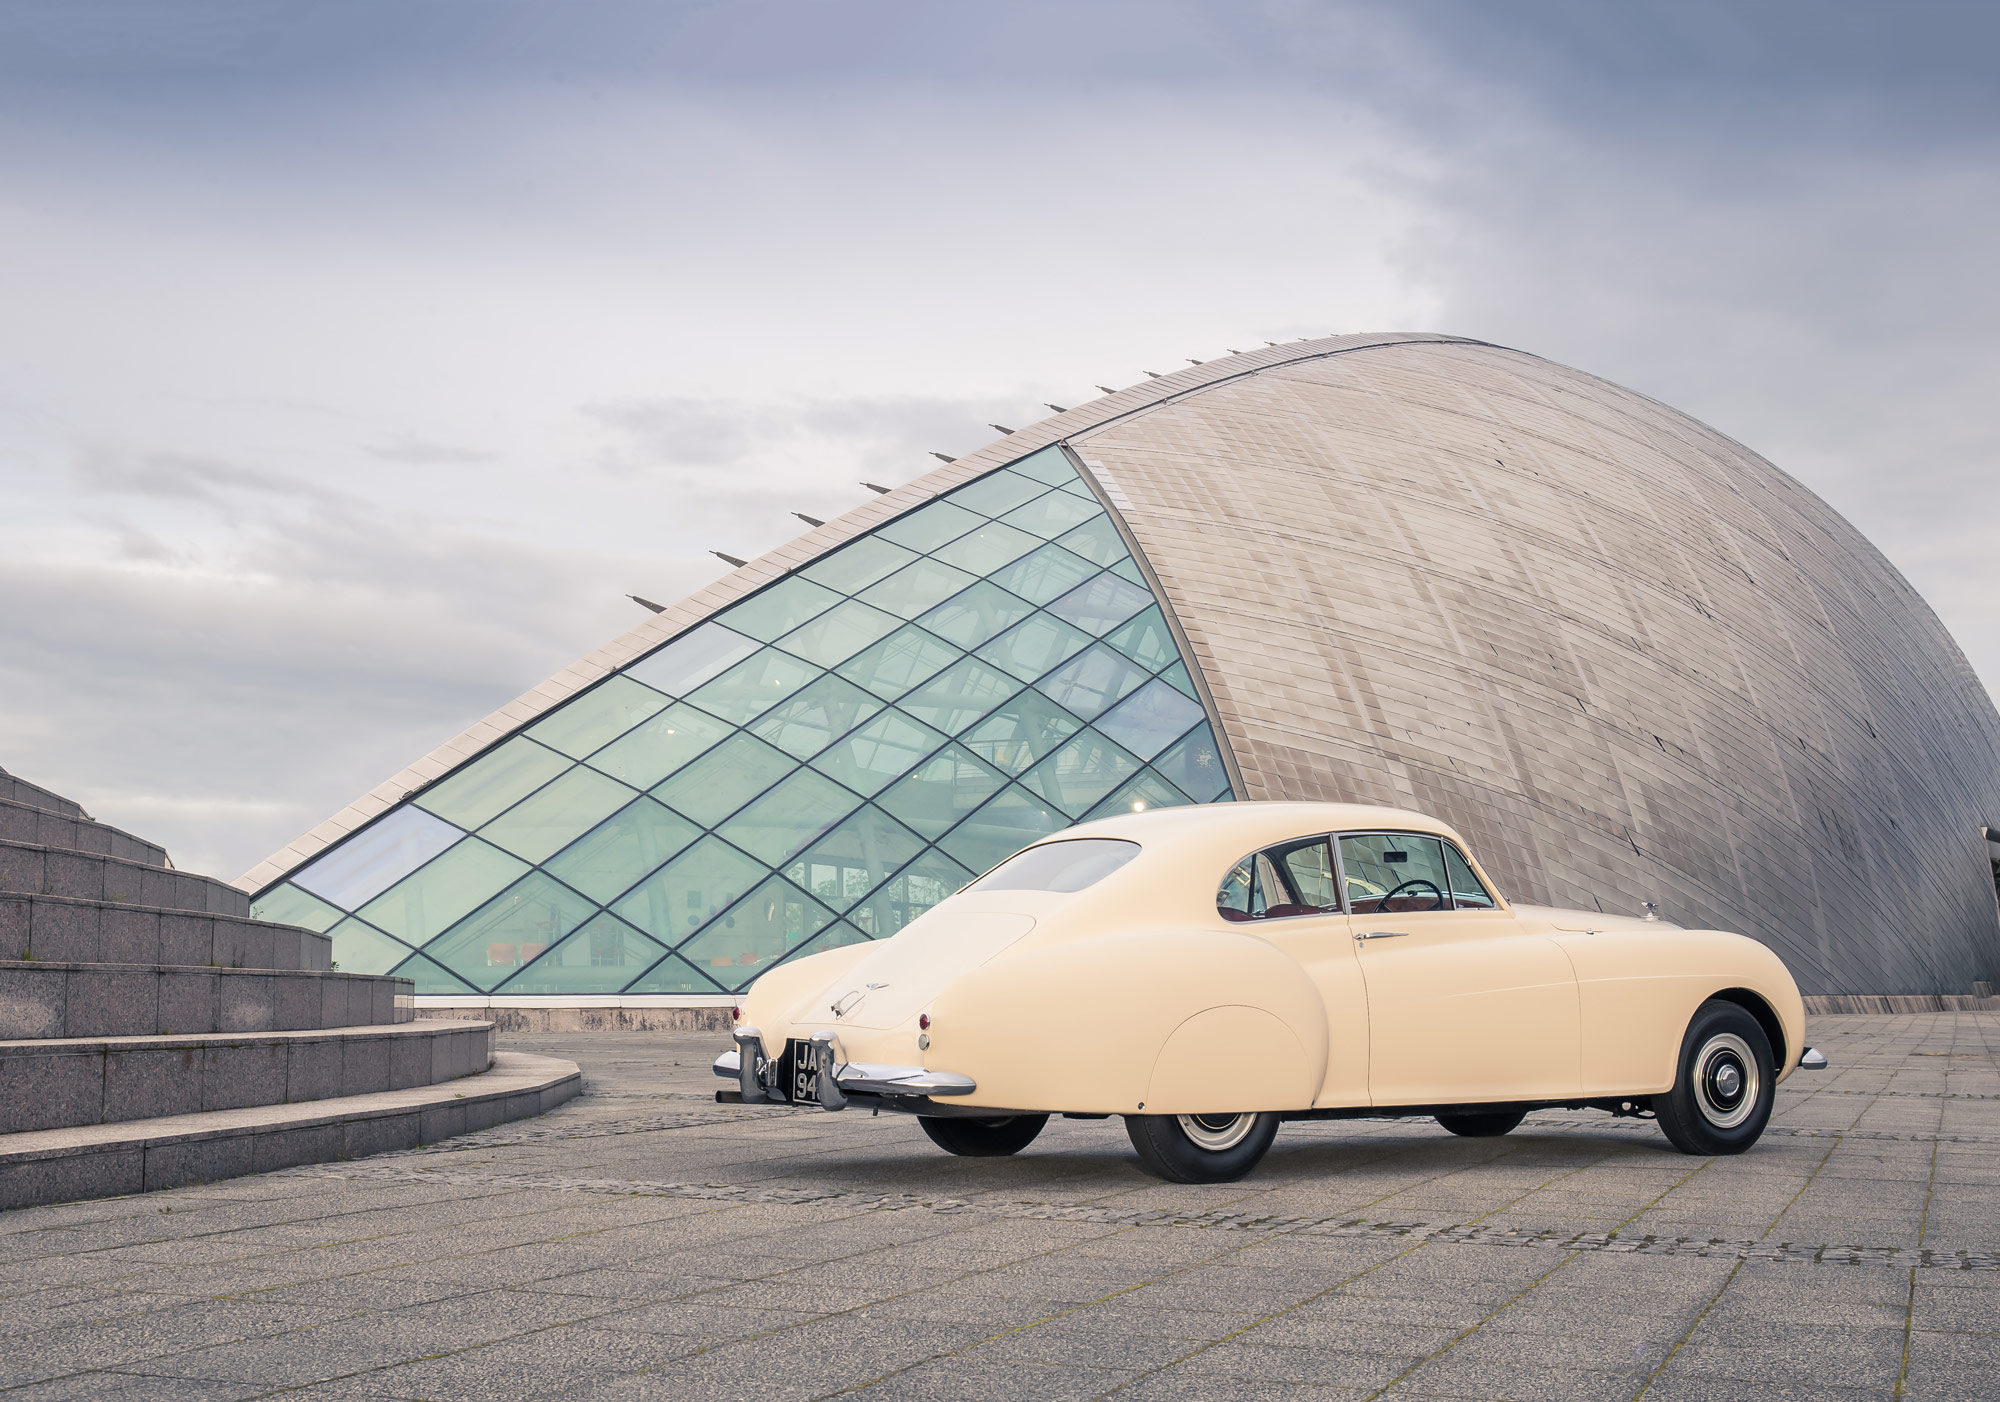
(645, 1242)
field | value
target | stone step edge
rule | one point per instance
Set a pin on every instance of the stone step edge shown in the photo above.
(168, 910)
(234, 894)
(189, 1041)
(1837, 1004)
(9, 780)
(85, 966)
(98, 1161)
(166, 862)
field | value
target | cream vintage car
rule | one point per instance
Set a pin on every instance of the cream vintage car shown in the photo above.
(1209, 972)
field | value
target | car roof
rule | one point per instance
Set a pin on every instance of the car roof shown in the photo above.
(1243, 827)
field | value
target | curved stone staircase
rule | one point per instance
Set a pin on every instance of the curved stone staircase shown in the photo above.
(153, 1034)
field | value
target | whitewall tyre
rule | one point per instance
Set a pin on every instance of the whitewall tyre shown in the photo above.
(1725, 1084)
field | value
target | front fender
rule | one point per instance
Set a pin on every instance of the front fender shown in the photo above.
(1130, 1021)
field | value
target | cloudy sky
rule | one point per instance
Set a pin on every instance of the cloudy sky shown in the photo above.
(357, 360)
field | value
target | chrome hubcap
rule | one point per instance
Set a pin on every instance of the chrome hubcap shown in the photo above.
(1216, 1132)
(1726, 1082)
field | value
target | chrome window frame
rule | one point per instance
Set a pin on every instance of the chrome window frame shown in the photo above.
(1443, 841)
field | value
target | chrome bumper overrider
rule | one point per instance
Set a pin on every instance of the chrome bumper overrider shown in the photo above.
(1813, 1060)
(756, 1074)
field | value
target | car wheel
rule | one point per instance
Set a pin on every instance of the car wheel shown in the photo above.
(1488, 1125)
(1723, 1090)
(983, 1139)
(1201, 1148)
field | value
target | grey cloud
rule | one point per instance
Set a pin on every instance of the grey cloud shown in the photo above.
(420, 452)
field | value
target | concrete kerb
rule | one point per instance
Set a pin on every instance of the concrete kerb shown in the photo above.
(94, 1161)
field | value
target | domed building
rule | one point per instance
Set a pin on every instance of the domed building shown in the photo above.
(1633, 662)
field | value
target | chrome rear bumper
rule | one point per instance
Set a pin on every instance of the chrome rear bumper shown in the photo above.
(756, 1074)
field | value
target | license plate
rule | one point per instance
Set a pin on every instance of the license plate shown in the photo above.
(804, 1071)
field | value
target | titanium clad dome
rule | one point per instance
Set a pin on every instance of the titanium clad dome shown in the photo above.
(1629, 659)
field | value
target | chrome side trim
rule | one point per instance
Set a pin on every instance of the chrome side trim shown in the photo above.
(1385, 935)
(1813, 1060)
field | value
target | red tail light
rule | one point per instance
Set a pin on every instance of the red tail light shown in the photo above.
(736, 1014)
(923, 1022)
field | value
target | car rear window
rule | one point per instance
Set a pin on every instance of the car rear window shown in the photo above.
(1059, 866)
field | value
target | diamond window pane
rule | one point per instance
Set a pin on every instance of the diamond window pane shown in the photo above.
(691, 659)
(922, 586)
(540, 826)
(360, 948)
(1050, 465)
(1194, 765)
(608, 860)
(813, 719)
(1151, 718)
(1044, 574)
(1025, 730)
(1146, 640)
(431, 977)
(494, 782)
(988, 548)
(597, 717)
(1010, 821)
(960, 694)
(605, 953)
(854, 858)
(1177, 677)
(997, 494)
(724, 779)
(835, 936)
(660, 746)
(755, 933)
(1049, 516)
(886, 748)
(1077, 777)
(789, 817)
(1080, 488)
(839, 633)
(512, 929)
(754, 685)
(674, 974)
(1094, 681)
(855, 566)
(946, 787)
(377, 857)
(289, 905)
(900, 661)
(977, 614)
(924, 883)
(1129, 569)
(1146, 791)
(1039, 644)
(423, 905)
(776, 611)
(687, 892)
(1096, 540)
(1101, 604)
(928, 527)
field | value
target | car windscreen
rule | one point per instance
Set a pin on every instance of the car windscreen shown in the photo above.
(1059, 866)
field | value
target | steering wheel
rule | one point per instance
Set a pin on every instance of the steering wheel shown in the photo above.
(1436, 894)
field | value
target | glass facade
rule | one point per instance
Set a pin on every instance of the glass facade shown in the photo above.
(815, 765)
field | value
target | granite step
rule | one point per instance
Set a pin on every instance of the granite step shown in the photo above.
(62, 1083)
(98, 1161)
(41, 999)
(24, 822)
(21, 791)
(71, 930)
(32, 869)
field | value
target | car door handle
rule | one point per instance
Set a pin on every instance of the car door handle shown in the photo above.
(1384, 935)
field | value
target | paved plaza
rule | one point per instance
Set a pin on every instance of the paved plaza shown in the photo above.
(644, 1242)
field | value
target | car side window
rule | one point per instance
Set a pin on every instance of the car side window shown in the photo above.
(1394, 873)
(1294, 878)
(1468, 892)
